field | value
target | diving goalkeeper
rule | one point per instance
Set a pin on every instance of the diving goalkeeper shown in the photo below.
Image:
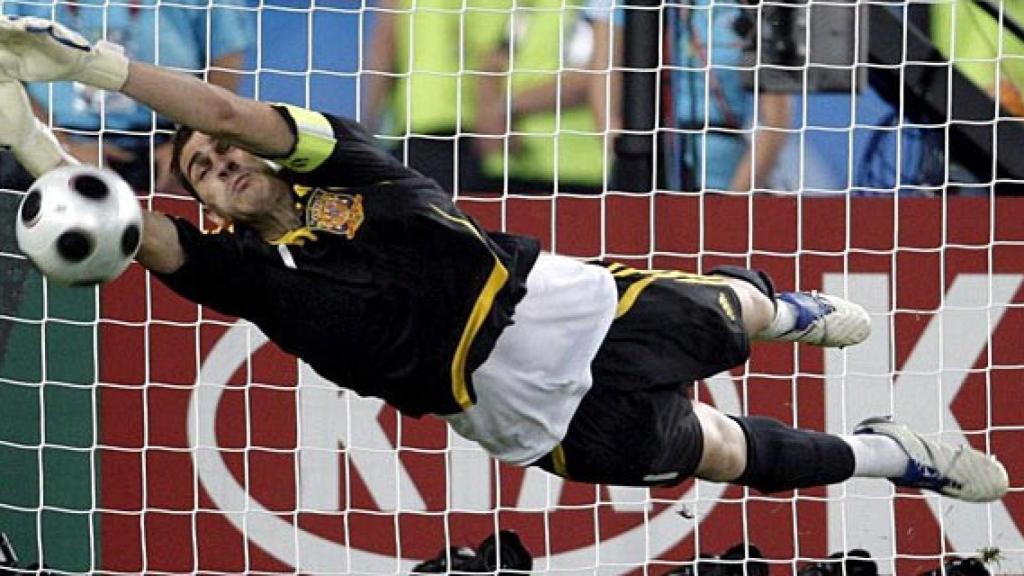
(368, 272)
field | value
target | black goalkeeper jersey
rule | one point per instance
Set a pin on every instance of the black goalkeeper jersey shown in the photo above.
(389, 289)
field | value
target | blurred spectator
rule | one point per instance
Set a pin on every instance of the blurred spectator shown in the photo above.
(428, 56)
(553, 141)
(605, 87)
(990, 56)
(705, 104)
(187, 34)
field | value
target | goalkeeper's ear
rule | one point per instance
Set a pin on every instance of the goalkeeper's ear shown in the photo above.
(32, 142)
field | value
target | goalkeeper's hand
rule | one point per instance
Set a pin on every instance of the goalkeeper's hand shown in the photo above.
(33, 144)
(34, 49)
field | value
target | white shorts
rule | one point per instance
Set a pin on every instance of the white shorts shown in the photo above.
(531, 384)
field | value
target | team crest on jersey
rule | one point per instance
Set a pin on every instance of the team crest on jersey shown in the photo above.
(335, 212)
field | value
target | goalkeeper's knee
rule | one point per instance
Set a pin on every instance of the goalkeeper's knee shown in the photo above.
(756, 295)
(784, 458)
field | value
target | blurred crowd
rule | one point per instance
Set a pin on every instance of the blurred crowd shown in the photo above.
(526, 96)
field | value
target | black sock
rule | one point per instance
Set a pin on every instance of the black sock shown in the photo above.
(783, 458)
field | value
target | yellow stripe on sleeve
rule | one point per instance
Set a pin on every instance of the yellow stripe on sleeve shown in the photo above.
(314, 143)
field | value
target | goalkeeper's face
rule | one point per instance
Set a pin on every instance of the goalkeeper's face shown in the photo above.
(233, 184)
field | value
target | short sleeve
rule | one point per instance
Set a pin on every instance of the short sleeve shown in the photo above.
(335, 151)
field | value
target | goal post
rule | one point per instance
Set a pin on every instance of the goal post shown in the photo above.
(141, 433)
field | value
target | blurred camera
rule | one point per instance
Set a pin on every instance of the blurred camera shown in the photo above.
(853, 563)
(799, 45)
(501, 551)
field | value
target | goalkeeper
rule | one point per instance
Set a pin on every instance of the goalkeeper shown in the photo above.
(369, 273)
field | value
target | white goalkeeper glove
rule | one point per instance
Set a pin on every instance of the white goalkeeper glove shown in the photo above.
(33, 144)
(33, 49)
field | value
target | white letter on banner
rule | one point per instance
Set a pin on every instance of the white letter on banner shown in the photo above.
(921, 397)
(324, 430)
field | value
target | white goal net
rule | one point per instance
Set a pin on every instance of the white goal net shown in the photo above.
(140, 433)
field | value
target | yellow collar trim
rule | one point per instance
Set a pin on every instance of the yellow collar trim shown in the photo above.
(297, 236)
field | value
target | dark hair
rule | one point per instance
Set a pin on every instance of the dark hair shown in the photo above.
(181, 136)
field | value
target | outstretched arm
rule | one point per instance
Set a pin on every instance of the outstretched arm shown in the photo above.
(161, 250)
(38, 151)
(32, 49)
(210, 109)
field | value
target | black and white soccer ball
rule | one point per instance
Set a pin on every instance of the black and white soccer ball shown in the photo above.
(80, 225)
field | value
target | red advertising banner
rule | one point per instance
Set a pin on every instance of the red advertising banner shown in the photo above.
(262, 466)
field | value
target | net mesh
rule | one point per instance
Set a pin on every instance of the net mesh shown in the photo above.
(140, 433)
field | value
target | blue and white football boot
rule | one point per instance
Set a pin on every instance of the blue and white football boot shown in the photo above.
(958, 472)
(823, 320)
